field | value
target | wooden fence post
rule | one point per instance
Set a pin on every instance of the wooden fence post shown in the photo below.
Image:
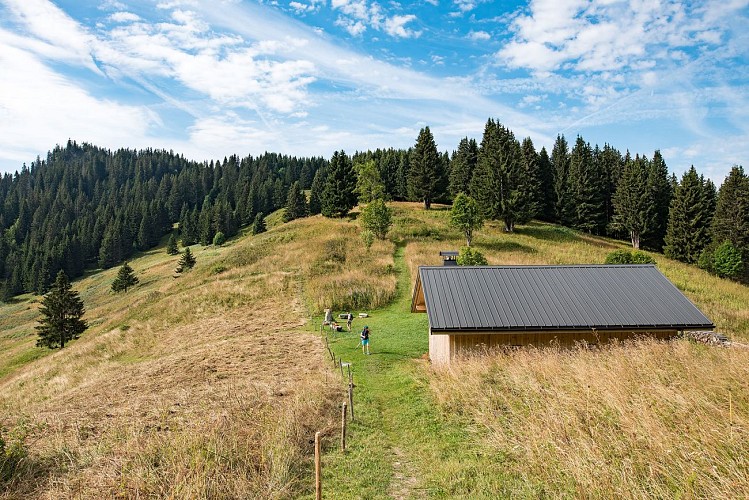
(343, 427)
(318, 468)
(351, 399)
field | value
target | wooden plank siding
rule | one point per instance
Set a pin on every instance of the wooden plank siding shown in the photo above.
(444, 347)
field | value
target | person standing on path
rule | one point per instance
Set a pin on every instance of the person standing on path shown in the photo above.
(365, 340)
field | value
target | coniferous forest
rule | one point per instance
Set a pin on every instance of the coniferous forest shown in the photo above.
(87, 207)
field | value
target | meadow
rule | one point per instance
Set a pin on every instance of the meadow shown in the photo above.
(212, 384)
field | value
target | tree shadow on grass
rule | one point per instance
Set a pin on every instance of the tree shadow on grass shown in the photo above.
(548, 232)
(498, 245)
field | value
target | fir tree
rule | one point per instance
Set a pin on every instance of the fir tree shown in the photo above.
(659, 193)
(171, 245)
(62, 310)
(338, 196)
(125, 279)
(315, 194)
(730, 221)
(462, 165)
(466, 216)
(186, 262)
(688, 220)
(531, 177)
(610, 164)
(585, 191)
(296, 203)
(546, 210)
(426, 170)
(258, 225)
(560, 162)
(631, 200)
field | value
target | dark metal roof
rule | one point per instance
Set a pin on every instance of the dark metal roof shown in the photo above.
(449, 253)
(555, 298)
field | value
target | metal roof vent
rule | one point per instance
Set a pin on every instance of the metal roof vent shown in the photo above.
(449, 257)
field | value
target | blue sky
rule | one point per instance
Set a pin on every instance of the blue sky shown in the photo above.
(307, 77)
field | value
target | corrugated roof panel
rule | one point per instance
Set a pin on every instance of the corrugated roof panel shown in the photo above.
(554, 297)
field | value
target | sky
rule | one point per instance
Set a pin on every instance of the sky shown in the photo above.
(208, 79)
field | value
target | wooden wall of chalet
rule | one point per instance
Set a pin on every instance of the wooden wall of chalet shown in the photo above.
(445, 347)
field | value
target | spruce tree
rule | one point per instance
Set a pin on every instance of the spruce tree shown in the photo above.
(125, 279)
(659, 193)
(546, 209)
(631, 200)
(688, 220)
(315, 194)
(462, 165)
(426, 170)
(186, 262)
(258, 225)
(338, 196)
(296, 203)
(585, 191)
(62, 310)
(560, 162)
(610, 165)
(730, 221)
(171, 245)
(531, 177)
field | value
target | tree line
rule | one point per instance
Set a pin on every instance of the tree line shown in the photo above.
(84, 206)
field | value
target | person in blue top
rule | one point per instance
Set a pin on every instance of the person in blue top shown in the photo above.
(365, 340)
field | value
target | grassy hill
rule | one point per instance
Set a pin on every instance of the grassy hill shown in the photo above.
(212, 384)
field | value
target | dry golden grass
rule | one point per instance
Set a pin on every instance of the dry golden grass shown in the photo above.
(201, 386)
(638, 419)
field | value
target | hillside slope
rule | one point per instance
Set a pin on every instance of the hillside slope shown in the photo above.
(212, 384)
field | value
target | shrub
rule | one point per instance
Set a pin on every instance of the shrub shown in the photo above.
(367, 237)
(639, 257)
(378, 218)
(219, 239)
(335, 250)
(626, 257)
(727, 261)
(12, 452)
(470, 257)
(706, 260)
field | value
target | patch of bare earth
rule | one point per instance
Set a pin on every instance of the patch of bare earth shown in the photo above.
(404, 482)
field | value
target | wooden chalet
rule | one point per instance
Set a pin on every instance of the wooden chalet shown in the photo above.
(482, 307)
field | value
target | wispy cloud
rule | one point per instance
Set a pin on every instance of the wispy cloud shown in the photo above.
(359, 15)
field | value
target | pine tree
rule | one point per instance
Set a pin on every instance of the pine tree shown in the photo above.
(62, 310)
(688, 219)
(186, 262)
(296, 203)
(560, 162)
(466, 216)
(171, 245)
(338, 196)
(659, 195)
(730, 221)
(377, 217)
(258, 225)
(585, 191)
(315, 195)
(631, 200)
(426, 173)
(125, 279)
(462, 165)
(546, 210)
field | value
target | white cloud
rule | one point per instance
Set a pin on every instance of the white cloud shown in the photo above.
(479, 36)
(40, 108)
(124, 17)
(358, 15)
(396, 26)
